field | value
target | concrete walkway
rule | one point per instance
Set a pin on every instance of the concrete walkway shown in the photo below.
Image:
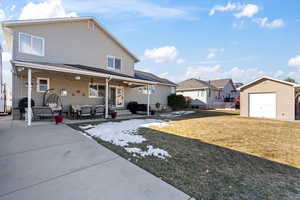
(56, 162)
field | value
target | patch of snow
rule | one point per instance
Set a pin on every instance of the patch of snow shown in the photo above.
(126, 132)
(86, 127)
(157, 124)
(177, 113)
(157, 152)
(121, 133)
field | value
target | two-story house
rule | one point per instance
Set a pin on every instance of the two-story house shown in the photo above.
(79, 60)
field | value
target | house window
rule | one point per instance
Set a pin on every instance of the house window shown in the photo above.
(96, 90)
(173, 90)
(114, 62)
(31, 44)
(117, 63)
(42, 84)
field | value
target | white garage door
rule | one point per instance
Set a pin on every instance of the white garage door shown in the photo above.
(262, 105)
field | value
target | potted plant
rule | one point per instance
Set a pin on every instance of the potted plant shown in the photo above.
(58, 119)
(114, 114)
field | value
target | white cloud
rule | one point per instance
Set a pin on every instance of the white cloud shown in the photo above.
(12, 8)
(180, 61)
(46, 9)
(243, 10)
(239, 25)
(216, 72)
(278, 73)
(248, 10)
(198, 72)
(229, 7)
(294, 61)
(214, 52)
(6, 56)
(162, 54)
(265, 22)
(164, 75)
(2, 15)
(108, 8)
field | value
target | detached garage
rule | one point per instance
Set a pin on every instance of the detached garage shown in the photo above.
(268, 98)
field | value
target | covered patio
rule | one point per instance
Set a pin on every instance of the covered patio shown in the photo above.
(75, 88)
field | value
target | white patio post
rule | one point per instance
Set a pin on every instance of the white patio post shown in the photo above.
(106, 97)
(29, 98)
(148, 100)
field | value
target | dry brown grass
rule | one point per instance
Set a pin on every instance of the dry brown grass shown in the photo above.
(269, 139)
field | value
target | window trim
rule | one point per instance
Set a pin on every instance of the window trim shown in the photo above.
(38, 83)
(31, 44)
(95, 97)
(114, 62)
(110, 86)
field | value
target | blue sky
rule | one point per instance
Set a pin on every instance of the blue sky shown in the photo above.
(179, 39)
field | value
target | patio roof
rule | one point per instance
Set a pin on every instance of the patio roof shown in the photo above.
(140, 77)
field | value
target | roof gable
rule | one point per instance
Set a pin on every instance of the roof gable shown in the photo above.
(221, 83)
(13, 23)
(268, 78)
(192, 84)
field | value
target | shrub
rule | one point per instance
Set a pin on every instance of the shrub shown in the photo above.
(132, 106)
(176, 101)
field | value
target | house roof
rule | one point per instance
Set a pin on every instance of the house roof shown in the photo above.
(193, 84)
(269, 78)
(12, 23)
(220, 83)
(152, 77)
(88, 70)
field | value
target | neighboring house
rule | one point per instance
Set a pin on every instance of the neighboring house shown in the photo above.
(271, 98)
(226, 89)
(209, 94)
(81, 61)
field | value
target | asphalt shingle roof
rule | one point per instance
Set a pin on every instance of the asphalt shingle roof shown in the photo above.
(220, 83)
(139, 75)
(193, 84)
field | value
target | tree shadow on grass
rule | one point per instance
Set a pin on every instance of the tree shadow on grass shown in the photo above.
(207, 171)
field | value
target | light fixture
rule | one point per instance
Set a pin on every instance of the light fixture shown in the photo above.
(77, 78)
(20, 69)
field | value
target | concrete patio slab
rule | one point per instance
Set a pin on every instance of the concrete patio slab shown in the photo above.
(57, 162)
(116, 179)
(21, 139)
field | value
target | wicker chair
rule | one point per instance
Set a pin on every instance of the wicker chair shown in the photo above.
(40, 112)
(85, 111)
(99, 111)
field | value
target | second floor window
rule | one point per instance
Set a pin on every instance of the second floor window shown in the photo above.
(114, 62)
(30, 44)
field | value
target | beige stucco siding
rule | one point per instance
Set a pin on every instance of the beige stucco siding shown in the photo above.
(73, 43)
(285, 98)
(78, 92)
(160, 95)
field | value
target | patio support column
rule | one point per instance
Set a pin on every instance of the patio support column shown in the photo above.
(106, 96)
(29, 98)
(148, 100)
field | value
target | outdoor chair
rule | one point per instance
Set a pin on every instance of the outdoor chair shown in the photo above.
(40, 112)
(85, 111)
(99, 111)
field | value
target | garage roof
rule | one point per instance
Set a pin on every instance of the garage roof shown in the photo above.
(270, 78)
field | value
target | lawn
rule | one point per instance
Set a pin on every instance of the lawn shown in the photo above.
(220, 155)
